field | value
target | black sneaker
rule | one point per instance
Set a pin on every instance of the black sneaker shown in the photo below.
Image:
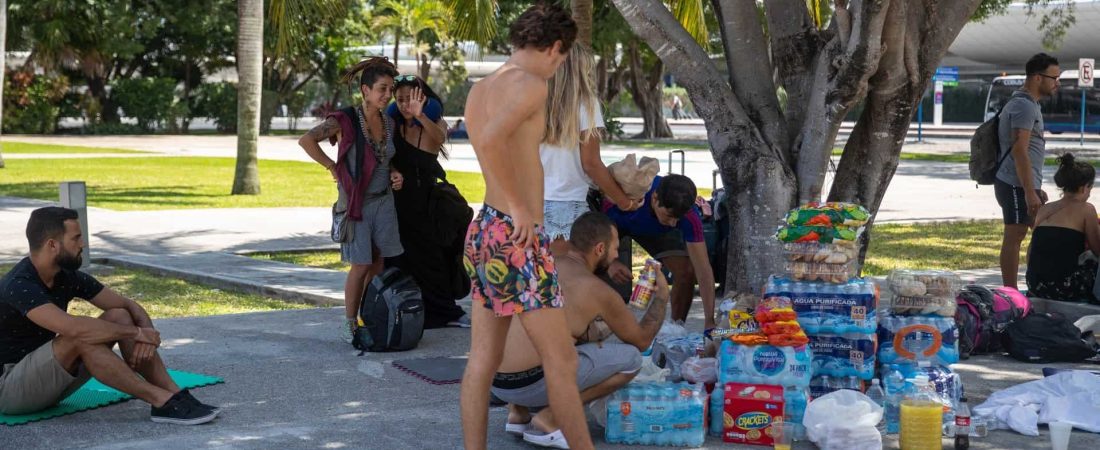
(178, 410)
(194, 401)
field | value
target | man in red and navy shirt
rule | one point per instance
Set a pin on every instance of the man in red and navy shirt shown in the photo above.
(668, 226)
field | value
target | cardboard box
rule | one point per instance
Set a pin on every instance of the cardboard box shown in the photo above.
(749, 412)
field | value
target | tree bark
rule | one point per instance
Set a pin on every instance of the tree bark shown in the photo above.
(396, 44)
(914, 47)
(3, 67)
(645, 87)
(825, 73)
(582, 14)
(250, 34)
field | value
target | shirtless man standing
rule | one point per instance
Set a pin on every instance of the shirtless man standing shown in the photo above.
(603, 367)
(507, 253)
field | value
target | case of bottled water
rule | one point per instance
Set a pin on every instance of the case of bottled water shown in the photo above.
(830, 308)
(657, 414)
(844, 355)
(909, 339)
(764, 364)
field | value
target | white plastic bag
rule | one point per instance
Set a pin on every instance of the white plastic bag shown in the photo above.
(843, 419)
(700, 370)
(650, 372)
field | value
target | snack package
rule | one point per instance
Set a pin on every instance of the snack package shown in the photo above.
(802, 233)
(924, 283)
(829, 273)
(776, 315)
(749, 412)
(788, 327)
(829, 214)
(838, 252)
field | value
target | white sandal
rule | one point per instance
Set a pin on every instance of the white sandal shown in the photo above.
(517, 429)
(554, 439)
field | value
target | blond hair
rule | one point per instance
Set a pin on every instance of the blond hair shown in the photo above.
(571, 89)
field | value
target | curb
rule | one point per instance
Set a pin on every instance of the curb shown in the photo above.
(227, 283)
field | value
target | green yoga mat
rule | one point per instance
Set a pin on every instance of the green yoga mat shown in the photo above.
(95, 394)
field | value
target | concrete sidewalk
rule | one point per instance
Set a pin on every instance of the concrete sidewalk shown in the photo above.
(291, 385)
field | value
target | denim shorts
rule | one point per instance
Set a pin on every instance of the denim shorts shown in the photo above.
(560, 215)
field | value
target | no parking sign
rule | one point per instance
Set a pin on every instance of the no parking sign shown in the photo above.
(1085, 72)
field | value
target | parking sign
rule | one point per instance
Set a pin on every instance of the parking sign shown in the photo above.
(1085, 72)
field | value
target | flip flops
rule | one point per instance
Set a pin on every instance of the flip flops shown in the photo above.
(517, 429)
(554, 439)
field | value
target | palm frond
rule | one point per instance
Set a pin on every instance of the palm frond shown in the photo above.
(690, 15)
(474, 20)
(286, 19)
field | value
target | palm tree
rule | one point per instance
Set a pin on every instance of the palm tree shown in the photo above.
(413, 18)
(250, 53)
(250, 57)
(3, 65)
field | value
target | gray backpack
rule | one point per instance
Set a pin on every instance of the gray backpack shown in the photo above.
(392, 314)
(985, 149)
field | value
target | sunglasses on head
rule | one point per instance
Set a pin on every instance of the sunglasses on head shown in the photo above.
(401, 78)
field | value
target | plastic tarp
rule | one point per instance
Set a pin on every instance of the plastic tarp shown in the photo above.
(1072, 397)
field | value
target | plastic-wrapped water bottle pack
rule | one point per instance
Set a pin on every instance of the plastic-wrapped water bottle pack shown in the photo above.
(910, 339)
(844, 355)
(657, 414)
(764, 364)
(830, 308)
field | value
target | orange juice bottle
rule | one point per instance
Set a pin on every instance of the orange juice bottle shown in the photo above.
(921, 418)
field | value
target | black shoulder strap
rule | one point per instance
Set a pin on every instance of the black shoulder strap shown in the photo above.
(997, 117)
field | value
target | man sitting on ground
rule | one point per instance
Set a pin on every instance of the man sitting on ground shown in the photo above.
(47, 354)
(669, 228)
(602, 367)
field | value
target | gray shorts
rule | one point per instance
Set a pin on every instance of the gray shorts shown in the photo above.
(37, 382)
(595, 363)
(560, 215)
(376, 232)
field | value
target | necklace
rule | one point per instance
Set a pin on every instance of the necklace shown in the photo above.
(379, 147)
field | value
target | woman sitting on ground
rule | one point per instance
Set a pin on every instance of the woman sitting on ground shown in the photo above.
(1061, 262)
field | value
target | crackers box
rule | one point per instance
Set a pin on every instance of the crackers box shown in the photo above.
(749, 411)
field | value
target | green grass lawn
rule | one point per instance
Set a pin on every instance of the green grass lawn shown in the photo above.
(942, 245)
(185, 182)
(165, 297)
(21, 148)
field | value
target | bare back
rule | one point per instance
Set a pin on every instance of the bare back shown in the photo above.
(506, 120)
(581, 290)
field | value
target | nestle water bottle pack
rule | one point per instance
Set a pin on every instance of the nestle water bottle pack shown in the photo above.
(830, 308)
(911, 339)
(657, 414)
(764, 364)
(844, 355)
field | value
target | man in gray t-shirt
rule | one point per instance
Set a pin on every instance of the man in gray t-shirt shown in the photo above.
(1018, 186)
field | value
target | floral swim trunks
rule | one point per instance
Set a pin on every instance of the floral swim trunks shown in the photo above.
(507, 279)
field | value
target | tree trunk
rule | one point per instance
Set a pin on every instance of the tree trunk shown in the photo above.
(582, 14)
(609, 79)
(3, 67)
(859, 55)
(646, 90)
(425, 64)
(396, 44)
(250, 35)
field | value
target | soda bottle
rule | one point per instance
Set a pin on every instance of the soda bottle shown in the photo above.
(962, 425)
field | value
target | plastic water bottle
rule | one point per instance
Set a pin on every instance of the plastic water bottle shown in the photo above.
(921, 418)
(877, 395)
(827, 384)
(717, 409)
(795, 401)
(853, 383)
(895, 385)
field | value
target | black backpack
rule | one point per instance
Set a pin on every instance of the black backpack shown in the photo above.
(985, 150)
(391, 315)
(1046, 338)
